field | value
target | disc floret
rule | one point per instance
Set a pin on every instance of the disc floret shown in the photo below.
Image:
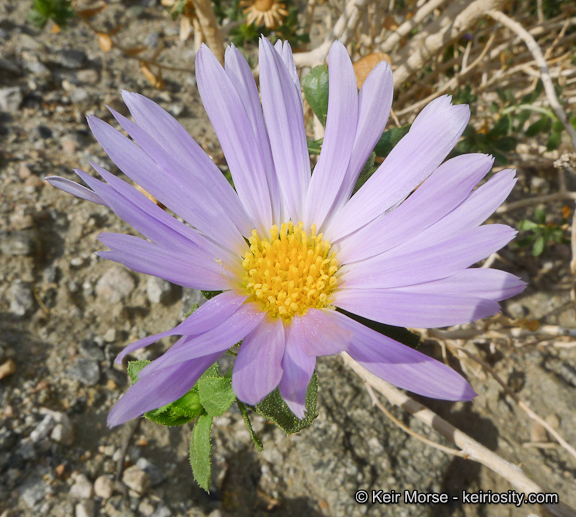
(291, 271)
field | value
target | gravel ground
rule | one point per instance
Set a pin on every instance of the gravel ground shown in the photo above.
(65, 314)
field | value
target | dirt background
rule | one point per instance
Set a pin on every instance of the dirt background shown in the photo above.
(65, 314)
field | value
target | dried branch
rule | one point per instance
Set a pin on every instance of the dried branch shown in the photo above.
(544, 72)
(455, 20)
(473, 450)
(210, 28)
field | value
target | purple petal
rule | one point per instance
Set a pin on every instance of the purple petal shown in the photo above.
(71, 187)
(338, 140)
(209, 217)
(159, 389)
(197, 271)
(282, 106)
(258, 367)
(218, 339)
(408, 308)
(176, 142)
(203, 319)
(480, 205)
(491, 284)
(403, 366)
(413, 159)
(298, 369)
(237, 138)
(285, 52)
(408, 265)
(241, 77)
(374, 103)
(320, 333)
(444, 190)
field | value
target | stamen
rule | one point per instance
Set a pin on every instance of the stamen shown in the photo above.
(291, 271)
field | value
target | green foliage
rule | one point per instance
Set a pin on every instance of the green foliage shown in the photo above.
(210, 294)
(389, 139)
(274, 408)
(59, 11)
(216, 395)
(539, 233)
(370, 167)
(255, 439)
(200, 448)
(315, 87)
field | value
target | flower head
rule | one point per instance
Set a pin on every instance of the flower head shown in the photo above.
(287, 248)
(264, 12)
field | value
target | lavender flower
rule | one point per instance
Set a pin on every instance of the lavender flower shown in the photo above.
(288, 248)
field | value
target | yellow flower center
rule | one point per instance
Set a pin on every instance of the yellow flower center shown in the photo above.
(291, 271)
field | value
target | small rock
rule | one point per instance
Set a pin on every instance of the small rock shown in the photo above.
(110, 335)
(87, 371)
(88, 76)
(136, 479)
(152, 39)
(28, 42)
(145, 508)
(115, 285)
(72, 58)
(104, 487)
(21, 300)
(10, 99)
(77, 262)
(158, 290)
(43, 429)
(36, 67)
(79, 95)
(21, 221)
(162, 511)
(85, 509)
(82, 487)
(33, 492)
(34, 182)
(22, 243)
(41, 133)
(7, 368)
(24, 171)
(154, 473)
(91, 350)
(63, 434)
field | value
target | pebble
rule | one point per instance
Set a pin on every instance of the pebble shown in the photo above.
(158, 290)
(88, 76)
(10, 99)
(82, 487)
(21, 300)
(24, 171)
(43, 429)
(41, 133)
(110, 335)
(154, 473)
(21, 221)
(33, 492)
(136, 479)
(63, 432)
(91, 350)
(36, 67)
(85, 370)
(28, 42)
(21, 243)
(10, 66)
(145, 508)
(79, 95)
(115, 285)
(7, 368)
(162, 511)
(104, 487)
(72, 58)
(85, 509)
(152, 39)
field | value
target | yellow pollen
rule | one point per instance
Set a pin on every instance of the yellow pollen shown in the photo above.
(291, 271)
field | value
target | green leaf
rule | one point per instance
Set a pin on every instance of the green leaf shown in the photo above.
(542, 125)
(315, 87)
(366, 172)
(554, 141)
(314, 146)
(188, 405)
(211, 372)
(399, 334)
(539, 245)
(501, 128)
(540, 215)
(134, 368)
(389, 139)
(210, 294)
(216, 395)
(164, 416)
(274, 408)
(255, 439)
(200, 451)
(505, 144)
(527, 225)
